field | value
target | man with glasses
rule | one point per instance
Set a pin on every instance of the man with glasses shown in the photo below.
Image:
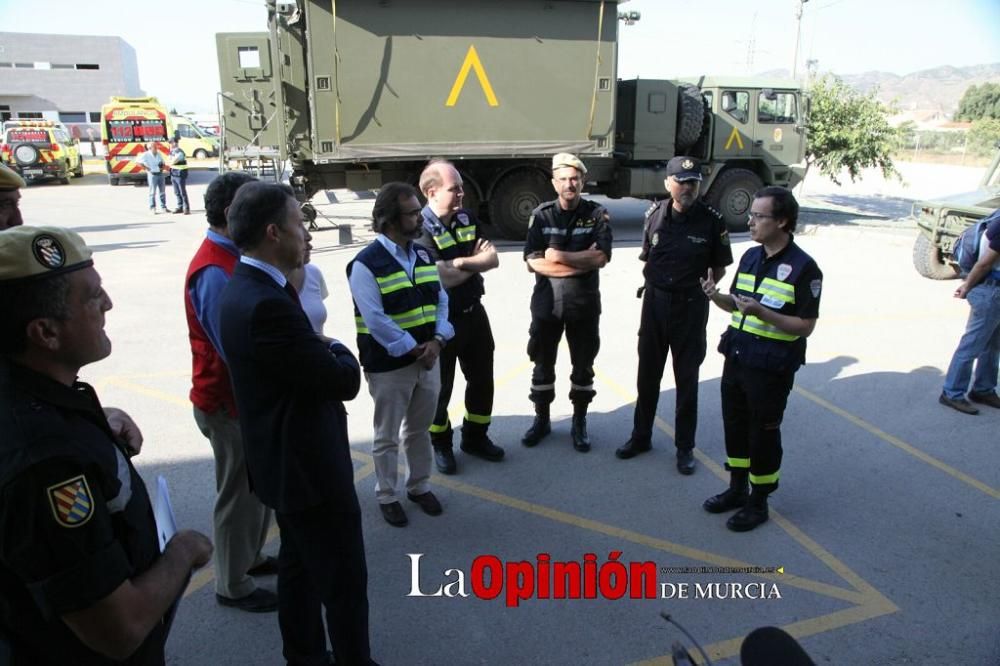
(450, 234)
(683, 239)
(401, 314)
(774, 302)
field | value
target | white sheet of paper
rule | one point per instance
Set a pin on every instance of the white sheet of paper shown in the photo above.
(163, 513)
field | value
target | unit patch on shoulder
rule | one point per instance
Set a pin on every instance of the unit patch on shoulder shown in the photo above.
(655, 239)
(815, 287)
(71, 501)
(784, 270)
(48, 252)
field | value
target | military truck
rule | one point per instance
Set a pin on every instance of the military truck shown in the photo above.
(942, 221)
(356, 93)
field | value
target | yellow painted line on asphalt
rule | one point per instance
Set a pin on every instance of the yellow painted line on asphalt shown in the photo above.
(120, 382)
(900, 444)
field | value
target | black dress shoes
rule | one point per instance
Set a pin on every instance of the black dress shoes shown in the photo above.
(269, 567)
(394, 514)
(445, 460)
(631, 449)
(428, 502)
(727, 500)
(685, 461)
(258, 601)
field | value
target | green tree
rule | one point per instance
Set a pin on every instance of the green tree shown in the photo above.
(980, 102)
(850, 130)
(984, 135)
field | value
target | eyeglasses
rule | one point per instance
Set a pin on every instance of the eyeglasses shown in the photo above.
(759, 216)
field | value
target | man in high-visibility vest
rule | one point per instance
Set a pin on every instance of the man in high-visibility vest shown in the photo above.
(774, 301)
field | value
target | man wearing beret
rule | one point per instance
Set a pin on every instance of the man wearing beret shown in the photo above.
(683, 240)
(568, 242)
(10, 197)
(82, 578)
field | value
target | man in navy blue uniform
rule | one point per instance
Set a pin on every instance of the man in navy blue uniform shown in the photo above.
(774, 301)
(569, 242)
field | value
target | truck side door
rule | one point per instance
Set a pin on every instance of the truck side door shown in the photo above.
(777, 139)
(736, 123)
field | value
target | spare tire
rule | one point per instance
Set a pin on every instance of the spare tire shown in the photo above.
(690, 117)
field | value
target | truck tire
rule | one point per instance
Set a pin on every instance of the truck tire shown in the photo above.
(64, 176)
(514, 197)
(731, 194)
(929, 262)
(690, 117)
(113, 181)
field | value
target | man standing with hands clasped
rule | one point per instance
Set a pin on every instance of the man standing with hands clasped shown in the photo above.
(774, 302)
(682, 240)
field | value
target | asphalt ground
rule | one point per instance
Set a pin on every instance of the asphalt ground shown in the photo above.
(885, 525)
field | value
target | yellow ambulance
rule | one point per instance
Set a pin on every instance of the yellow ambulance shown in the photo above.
(127, 125)
(39, 149)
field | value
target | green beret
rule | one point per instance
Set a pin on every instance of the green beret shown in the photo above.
(9, 180)
(567, 160)
(31, 253)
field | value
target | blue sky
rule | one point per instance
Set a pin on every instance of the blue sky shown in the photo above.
(673, 38)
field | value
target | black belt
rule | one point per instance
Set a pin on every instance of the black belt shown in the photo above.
(991, 282)
(676, 290)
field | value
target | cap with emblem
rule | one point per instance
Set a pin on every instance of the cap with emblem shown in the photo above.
(561, 160)
(32, 253)
(9, 180)
(684, 168)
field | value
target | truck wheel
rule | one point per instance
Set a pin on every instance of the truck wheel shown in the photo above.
(731, 194)
(929, 262)
(513, 199)
(471, 200)
(201, 153)
(78, 171)
(690, 117)
(113, 180)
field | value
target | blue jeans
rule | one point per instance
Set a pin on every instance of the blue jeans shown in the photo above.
(980, 344)
(179, 179)
(157, 181)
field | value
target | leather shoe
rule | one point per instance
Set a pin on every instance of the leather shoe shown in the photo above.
(427, 502)
(747, 518)
(988, 398)
(726, 501)
(258, 601)
(482, 448)
(958, 404)
(268, 567)
(631, 449)
(394, 514)
(539, 429)
(685, 461)
(445, 460)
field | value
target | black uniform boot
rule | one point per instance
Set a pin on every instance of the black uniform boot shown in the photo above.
(540, 427)
(733, 498)
(581, 441)
(481, 446)
(751, 515)
(444, 457)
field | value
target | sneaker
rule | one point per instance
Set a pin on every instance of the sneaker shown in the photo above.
(988, 398)
(958, 404)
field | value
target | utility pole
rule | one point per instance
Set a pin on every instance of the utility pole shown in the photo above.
(798, 37)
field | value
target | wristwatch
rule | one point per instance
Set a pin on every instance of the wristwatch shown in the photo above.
(441, 340)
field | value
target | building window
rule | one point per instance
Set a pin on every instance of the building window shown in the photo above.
(6, 64)
(72, 117)
(24, 65)
(30, 114)
(249, 57)
(55, 66)
(95, 116)
(91, 66)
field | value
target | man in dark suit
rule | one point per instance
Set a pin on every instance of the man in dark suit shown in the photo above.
(289, 383)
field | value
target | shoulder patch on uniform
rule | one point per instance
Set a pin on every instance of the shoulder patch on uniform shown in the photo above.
(462, 217)
(815, 287)
(784, 270)
(71, 501)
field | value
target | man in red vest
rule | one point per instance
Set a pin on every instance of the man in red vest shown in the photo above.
(240, 520)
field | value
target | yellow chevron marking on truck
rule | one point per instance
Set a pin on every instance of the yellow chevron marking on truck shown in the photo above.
(734, 136)
(472, 61)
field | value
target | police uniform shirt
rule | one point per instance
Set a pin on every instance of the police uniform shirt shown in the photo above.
(75, 519)
(465, 295)
(791, 265)
(574, 230)
(679, 248)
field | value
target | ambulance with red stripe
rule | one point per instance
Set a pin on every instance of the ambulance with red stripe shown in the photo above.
(127, 125)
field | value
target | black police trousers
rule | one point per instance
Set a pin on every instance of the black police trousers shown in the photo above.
(584, 340)
(321, 565)
(672, 321)
(472, 347)
(753, 405)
